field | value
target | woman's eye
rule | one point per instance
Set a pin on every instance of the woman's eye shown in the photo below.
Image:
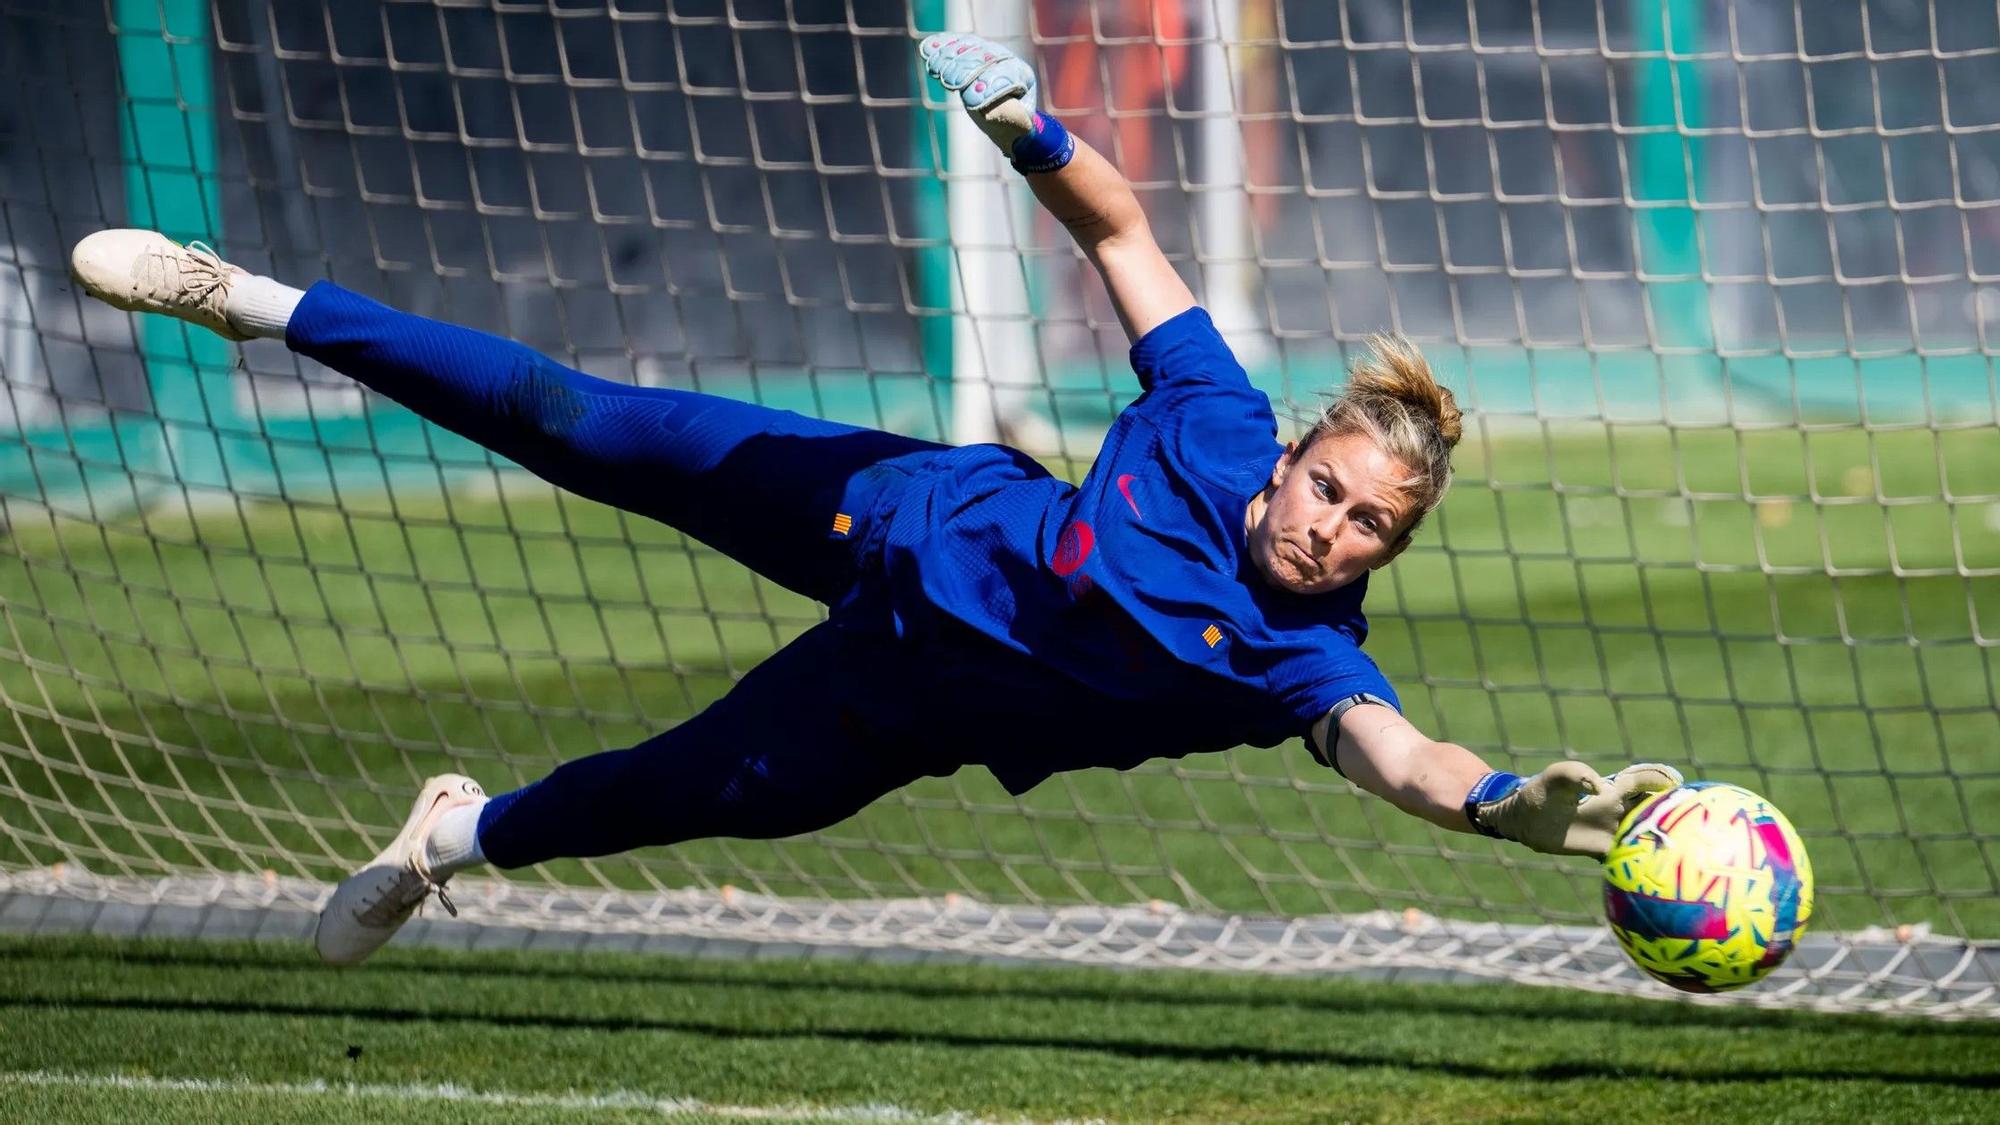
(1320, 487)
(1367, 524)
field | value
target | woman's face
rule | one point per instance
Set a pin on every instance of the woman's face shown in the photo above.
(1329, 515)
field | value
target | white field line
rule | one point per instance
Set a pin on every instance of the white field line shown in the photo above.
(669, 1108)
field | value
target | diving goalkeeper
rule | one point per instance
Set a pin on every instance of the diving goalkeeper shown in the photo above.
(1200, 590)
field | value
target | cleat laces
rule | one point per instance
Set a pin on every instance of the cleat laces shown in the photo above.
(196, 276)
(407, 893)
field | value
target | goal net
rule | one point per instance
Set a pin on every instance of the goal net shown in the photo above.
(1718, 283)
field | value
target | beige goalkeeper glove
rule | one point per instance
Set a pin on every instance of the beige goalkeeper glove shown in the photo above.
(997, 88)
(1567, 809)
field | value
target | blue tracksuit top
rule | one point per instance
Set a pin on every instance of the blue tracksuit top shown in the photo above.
(1130, 621)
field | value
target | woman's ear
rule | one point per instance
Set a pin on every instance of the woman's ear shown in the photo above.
(1284, 464)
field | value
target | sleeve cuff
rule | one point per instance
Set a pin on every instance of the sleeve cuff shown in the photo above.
(1154, 353)
(1329, 758)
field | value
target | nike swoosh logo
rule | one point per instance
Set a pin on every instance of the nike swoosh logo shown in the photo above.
(1125, 486)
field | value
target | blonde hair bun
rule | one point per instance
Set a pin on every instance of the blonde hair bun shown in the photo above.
(1394, 369)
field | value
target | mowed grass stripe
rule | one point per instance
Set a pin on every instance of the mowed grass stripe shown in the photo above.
(984, 1041)
(594, 1105)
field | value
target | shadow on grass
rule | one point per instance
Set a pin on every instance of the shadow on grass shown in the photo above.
(1180, 989)
(1137, 1050)
(1055, 984)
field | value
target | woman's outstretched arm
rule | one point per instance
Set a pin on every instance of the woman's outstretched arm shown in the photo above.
(1071, 179)
(1095, 202)
(1567, 809)
(1380, 751)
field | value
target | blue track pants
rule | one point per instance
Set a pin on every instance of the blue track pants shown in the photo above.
(807, 737)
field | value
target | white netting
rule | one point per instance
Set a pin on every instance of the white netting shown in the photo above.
(1719, 284)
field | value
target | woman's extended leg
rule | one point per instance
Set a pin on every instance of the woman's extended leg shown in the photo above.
(810, 736)
(804, 741)
(764, 486)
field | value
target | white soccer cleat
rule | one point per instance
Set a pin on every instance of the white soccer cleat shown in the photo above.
(369, 906)
(145, 271)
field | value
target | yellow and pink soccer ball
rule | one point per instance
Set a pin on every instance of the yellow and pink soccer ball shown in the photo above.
(1707, 886)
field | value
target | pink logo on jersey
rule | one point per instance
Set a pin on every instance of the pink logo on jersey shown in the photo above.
(1072, 549)
(1125, 487)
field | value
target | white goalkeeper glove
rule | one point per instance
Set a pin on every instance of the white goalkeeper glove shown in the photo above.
(1567, 809)
(998, 89)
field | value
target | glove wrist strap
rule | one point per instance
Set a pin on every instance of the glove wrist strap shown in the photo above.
(1045, 148)
(1492, 787)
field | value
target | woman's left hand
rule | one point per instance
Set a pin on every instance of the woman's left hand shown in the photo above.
(1568, 808)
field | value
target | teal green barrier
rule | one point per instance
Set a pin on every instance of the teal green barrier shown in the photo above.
(1667, 168)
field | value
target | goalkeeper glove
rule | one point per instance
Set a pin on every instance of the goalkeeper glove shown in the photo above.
(1567, 809)
(998, 90)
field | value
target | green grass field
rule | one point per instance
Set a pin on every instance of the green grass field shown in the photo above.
(167, 1031)
(261, 687)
